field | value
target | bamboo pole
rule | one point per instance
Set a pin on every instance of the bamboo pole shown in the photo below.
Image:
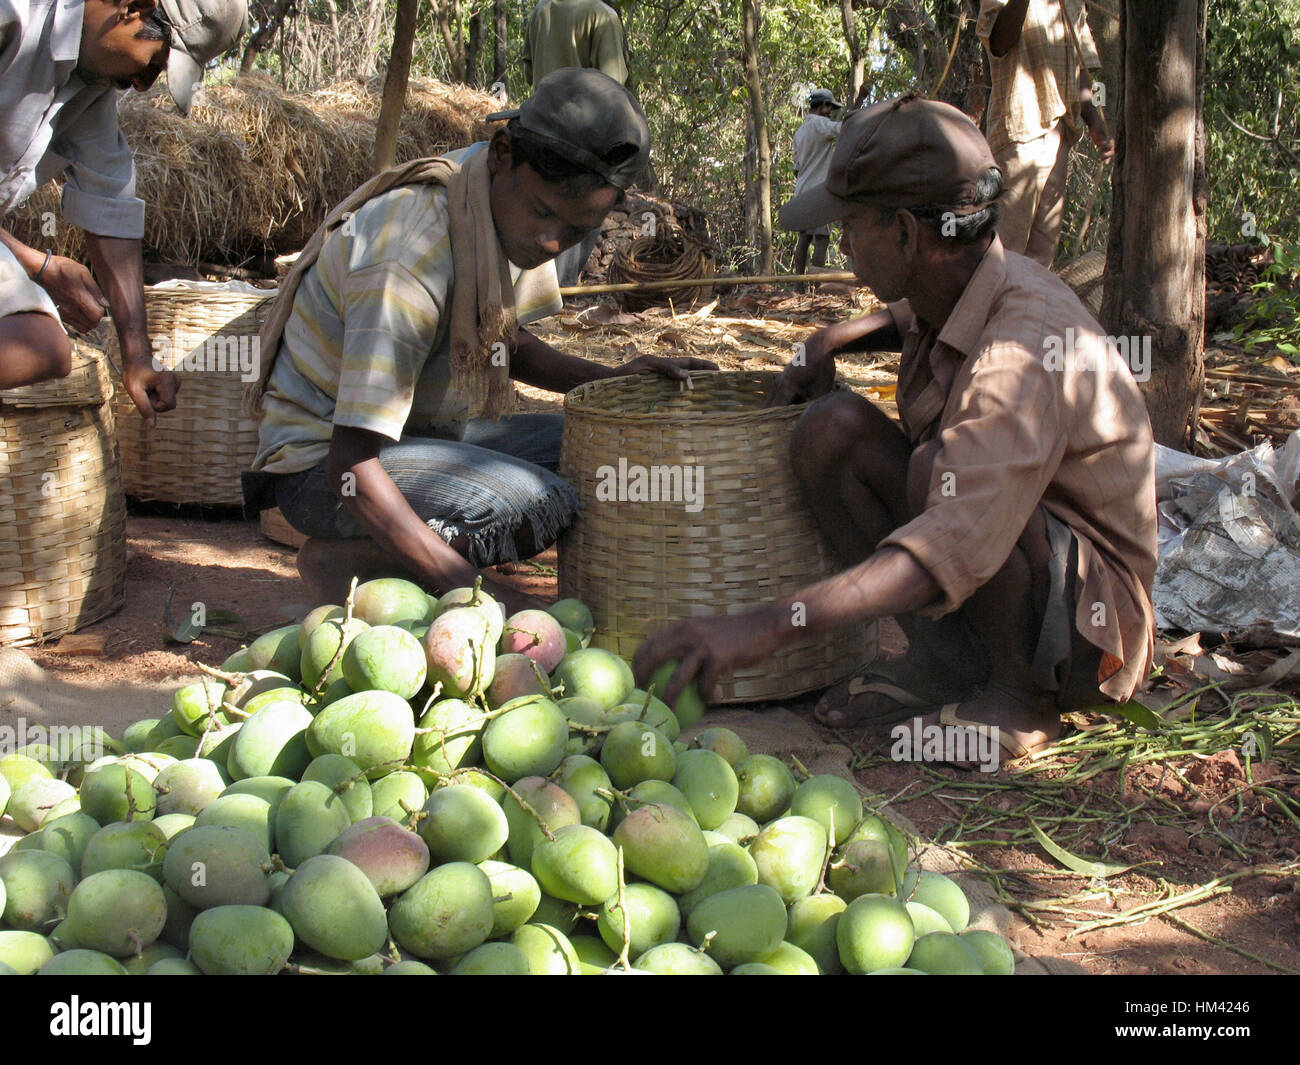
(704, 282)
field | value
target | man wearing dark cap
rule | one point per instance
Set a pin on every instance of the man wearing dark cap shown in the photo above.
(63, 64)
(814, 143)
(389, 355)
(1008, 521)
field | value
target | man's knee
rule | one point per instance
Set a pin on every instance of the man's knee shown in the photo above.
(828, 429)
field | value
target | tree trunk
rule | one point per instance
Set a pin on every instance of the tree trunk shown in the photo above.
(964, 84)
(759, 208)
(399, 70)
(448, 17)
(257, 42)
(857, 54)
(498, 41)
(475, 48)
(1155, 262)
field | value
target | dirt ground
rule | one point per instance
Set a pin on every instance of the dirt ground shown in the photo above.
(1165, 818)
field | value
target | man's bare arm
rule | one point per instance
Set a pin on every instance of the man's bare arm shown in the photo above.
(1007, 27)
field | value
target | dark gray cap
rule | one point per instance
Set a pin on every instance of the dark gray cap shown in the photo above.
(588, 118)
(823, 96)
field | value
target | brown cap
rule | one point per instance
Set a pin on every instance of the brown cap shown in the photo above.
(899, 153)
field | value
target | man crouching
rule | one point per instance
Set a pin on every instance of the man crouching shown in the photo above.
(1009, 521)
(386, 434)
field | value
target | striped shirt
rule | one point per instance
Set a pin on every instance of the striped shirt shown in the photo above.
(1030, 405)
(1035, 84)
(368, 345)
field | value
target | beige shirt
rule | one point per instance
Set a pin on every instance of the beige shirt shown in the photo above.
(1030, 405)
(1035, 85)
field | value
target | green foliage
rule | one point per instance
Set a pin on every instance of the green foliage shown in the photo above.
(1252, 118)
(1274, 320)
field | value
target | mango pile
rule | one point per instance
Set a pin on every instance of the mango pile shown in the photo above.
(406, 785)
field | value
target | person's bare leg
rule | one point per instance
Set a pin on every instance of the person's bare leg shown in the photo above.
(821, 245)
(801, 253)
(328, 566)
(854, 467)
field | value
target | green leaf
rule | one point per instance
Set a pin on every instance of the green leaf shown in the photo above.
(1135, 713)
(186, 632)
(1082, 866)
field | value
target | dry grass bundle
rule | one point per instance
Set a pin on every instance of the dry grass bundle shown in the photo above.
(252, 172)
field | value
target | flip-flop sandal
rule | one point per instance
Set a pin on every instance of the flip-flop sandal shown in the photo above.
(872, 684)
(1004, 738)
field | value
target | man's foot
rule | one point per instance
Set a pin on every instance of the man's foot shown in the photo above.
(884, 692)
(1000, 723)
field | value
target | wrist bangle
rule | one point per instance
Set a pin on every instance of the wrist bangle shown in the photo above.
(41, 272)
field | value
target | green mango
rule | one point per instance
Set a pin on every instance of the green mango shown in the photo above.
(724, 742)
(118, 911)
(741, 924)
(138, 845)
(527, 739)
(709, 784)
(236, 940)
(80, 962)
(578, 864)
(515, 896)
(584, 778)
(171, 824)
(766, 787)
(663, 845)
(272, 741)
(634, 752)
(138, 964)
(188, 786)
(492, 959)
(552, 804)
(945, 954)
(789, 960)
(218, 865)
(385, 658)
(173, 967)
(463, 824)
(789, 854)
(446, 913)
(398, 795)
(548, 950)
(677, 959)
(334, 908)
(375, 729)
(36, 886)
(197, 706)
(456, 739)
(874, 932)
(67, 836)
(33, 801)
(249, 813)
(729, 866)
(309, 819)
(813, 922)
(739, 828)
(460, 651)
(347, 780)
(944, 897)
(830, 801)
(996, 958)
(392, 601)
(689, 707)
(863, 867)
(652, 918)
(24, 952)
(596, 674)
(322, 651)
(117, 793)
(277, 651)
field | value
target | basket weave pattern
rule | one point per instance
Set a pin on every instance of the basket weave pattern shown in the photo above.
(198, 450)
(62, 512)
(640, 564)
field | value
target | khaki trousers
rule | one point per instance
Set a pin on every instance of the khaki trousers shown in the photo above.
(1033, 203)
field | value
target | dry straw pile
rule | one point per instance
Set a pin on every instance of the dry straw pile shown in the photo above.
(253, 171)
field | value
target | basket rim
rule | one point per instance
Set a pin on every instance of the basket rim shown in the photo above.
(186, 296)
(574, 401)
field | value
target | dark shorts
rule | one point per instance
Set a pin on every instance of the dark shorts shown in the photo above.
(482, 489)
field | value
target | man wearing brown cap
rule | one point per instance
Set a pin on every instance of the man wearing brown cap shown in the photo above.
(389, 357)
(1009, 520)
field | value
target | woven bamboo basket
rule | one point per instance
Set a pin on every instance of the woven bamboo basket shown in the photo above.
(62, 512)
(197, 451)
(744, 539)
(1086, 275)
